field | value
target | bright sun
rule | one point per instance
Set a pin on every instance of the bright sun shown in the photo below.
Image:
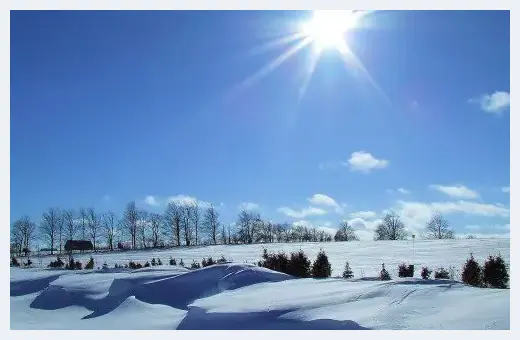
(327, 28)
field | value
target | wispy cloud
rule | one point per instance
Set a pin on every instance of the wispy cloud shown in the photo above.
(403, 191)
(185, 200)
(456, 191)
(151, 201)
(303, 213)
(364, 162)
(363, 214)
(248, 206)
(325, 201)
(495, 103)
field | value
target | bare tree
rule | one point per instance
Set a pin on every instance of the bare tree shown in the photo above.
(186, 223)
(248, 224)
(16, 237)
(223, 235)
(345, 233)
(439, 228)
(61, 225)
(110, 228)
(392, 228)
(172, 219)
(83, 222)
(49, 227)
(143, 225)
(130, 221)
(210, 223)
(94, 224)
(69, 224)
(195, 219)
(156, 221)
(23, 233)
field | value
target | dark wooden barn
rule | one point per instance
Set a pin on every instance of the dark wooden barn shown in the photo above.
(71, 245)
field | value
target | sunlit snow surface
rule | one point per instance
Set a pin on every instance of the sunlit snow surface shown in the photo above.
(243, 296)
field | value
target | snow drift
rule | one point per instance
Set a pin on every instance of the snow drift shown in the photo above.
(239, 296)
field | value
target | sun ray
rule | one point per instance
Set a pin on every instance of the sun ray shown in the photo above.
(276, 43)
(271, 66)
(309, 71)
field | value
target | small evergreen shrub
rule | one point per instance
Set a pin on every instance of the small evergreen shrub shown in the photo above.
(173, 262)
(299, 265)
(181, 263)
(441, 274)
(321, 267)
(105, 266)
(495, 273)
(195, 265)
(71, 265)
(425, 273)
(57, 264)
(384, 275)
(221, 260)
(78, 265)
(347, 272)
(14, 262)
(472, 273)
(28, 263)
(90, 264)
(153, 263)
(406, 270)
(135, 265)
(159, 262)
(277, 262)
(147, 264)
(203, 263)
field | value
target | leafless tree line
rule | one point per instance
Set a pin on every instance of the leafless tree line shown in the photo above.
(187, 224)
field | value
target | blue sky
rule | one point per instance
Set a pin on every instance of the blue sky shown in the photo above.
(109, 107)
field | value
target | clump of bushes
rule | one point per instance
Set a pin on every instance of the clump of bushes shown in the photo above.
(147, 264)
(347, 272)
(384, 275)
(28, 263)
(299, 265)
(173, 262)
(495, 273)
(441, 274)
(14, 262)
(321, 267)
(425, 273)
(277, 262)
(153, 263)
(195, 265)
(208, 262)
(134, 265)
(222, 260)
(159, 262)
(406, 270)
(472, 273)
(118, 266)
(105, 266)
(90, 264)
(57, 264)
(73, 265)
(181, 263)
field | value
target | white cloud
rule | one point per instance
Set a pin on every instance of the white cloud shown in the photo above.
(151, 201)
(248, 206)
(416, 214)
(505, 189)
(361, 223)
(364, 162)
(324, 225)
(496, 102)
(403, 191)
(326, 201)
(185, 200)
(310, 211)
(363, 214)
(456, 191)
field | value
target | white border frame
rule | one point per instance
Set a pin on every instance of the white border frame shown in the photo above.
(243, 5)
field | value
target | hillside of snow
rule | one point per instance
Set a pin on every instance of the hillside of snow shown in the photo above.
(243, 296)
(365, 257)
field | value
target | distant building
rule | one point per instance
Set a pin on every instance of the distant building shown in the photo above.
(71, 245)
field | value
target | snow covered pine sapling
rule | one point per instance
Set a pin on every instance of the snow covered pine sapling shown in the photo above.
(347, 272)
(495, 273)
(321, 267)
(299, 265)
(472, 273)
(425, 273)
(384, 275)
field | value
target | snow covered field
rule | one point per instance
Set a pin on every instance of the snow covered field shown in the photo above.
(242, 296)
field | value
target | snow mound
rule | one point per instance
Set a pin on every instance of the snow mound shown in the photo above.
(241, 296)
